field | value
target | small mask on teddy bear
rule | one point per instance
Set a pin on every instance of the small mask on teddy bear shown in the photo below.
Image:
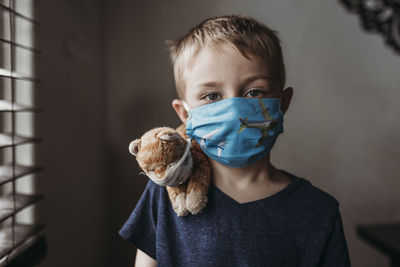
(170, 160)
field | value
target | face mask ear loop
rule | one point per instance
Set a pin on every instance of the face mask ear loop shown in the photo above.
(185, 105)
(187, 108)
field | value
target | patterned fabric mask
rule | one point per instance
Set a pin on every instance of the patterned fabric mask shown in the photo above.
(236, 131)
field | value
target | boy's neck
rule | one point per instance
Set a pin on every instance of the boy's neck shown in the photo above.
(259, 173)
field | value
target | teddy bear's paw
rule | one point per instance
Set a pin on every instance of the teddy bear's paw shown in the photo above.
(195, 201)
(179, 205)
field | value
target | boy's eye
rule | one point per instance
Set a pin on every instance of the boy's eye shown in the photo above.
(253, 93)
(211, 97)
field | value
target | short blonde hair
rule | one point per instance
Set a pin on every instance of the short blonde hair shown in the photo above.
(245, 33)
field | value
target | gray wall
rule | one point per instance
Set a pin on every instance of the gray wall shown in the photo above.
(72, 125)
(109, 87)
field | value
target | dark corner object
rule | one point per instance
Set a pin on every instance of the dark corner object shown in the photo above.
(385, 238)
(382, 16)
(31, 256)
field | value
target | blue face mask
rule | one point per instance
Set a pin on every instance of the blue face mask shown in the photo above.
(236, 131)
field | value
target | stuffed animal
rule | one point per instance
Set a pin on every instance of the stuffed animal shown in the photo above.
(169, 159)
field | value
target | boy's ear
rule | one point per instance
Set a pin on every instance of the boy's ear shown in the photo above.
(286, 98)
(179, 109)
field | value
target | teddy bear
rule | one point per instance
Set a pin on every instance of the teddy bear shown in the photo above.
(168, 158)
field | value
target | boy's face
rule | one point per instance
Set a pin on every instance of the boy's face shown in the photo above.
(223, 72)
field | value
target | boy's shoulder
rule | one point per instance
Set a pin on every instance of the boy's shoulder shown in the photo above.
(309, 196)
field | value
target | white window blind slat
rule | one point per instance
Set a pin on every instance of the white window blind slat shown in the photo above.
(25, 236)
(18, 56)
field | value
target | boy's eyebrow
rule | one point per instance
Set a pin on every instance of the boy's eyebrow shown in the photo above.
(256, 77)
(247, 80)
(208, 84)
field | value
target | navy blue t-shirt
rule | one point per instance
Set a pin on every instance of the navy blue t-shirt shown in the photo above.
(298, 226)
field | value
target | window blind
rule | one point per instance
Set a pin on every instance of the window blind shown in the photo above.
(18, 169)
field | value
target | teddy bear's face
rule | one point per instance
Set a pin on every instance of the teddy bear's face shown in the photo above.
(158, 148)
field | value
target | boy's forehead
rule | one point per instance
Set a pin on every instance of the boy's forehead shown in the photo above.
(190, 55)
(212, 61)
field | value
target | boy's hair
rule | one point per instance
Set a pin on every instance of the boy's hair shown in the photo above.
(245, 33)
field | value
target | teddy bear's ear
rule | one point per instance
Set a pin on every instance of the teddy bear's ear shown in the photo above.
(169, 137)
(134, 147)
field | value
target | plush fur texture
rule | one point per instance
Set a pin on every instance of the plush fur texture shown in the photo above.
(159, 147)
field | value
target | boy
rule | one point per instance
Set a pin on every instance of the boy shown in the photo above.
(229, 71)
